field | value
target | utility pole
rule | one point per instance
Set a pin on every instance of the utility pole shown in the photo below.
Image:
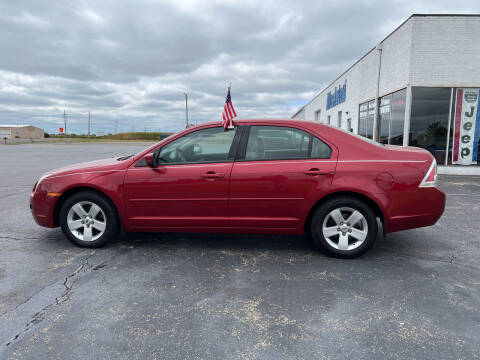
(186, 109)
(116, 126)
(65, 126)
(88, 135)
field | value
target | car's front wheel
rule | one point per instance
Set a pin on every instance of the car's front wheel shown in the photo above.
(344, 227)
(88, 219)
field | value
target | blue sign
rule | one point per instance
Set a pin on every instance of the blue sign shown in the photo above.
(338, 96)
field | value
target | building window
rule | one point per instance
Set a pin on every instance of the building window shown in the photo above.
(392, 117)
(429, 120)
(5, 133)
(339, 119)
(385, 110)
(317, 115)
(365, 119)
(328, 119)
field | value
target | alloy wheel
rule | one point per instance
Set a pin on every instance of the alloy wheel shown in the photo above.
(86, 221)
(345, 228)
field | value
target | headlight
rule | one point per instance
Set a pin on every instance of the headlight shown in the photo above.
(37, 184)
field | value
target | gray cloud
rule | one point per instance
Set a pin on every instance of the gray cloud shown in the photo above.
(130, 61)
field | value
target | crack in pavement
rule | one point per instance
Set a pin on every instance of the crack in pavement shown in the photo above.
(10, 238)
(451, 259)
(29, 298)
(24, 237)
(18, 239)
(68, 289)
(65, 295)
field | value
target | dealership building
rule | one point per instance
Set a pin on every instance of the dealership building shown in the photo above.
(420, 86)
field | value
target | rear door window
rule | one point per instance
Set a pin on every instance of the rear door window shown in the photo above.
(320, 150)
(283, 143)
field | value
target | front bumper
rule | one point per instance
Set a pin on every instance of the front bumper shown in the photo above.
(43, 208)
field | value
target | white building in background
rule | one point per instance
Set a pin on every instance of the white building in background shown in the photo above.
(414, 75)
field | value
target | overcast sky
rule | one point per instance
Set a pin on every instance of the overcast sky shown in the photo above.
(131, 61)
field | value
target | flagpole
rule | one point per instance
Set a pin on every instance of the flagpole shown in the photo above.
(230, 125)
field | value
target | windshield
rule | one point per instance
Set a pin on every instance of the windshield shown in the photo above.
(156, 144)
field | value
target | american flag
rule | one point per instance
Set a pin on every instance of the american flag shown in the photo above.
(228, 111)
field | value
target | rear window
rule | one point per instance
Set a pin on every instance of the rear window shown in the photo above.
(370, 141)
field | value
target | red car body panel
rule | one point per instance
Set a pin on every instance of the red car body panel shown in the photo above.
(252, 196)
(276, 194)
(177, 196)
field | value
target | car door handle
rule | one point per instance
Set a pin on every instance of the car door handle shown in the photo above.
(315, 171)
(212, 175)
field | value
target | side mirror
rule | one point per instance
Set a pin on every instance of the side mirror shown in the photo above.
(150, 160)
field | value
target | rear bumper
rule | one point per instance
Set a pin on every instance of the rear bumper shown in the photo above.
(423, 208)
(42, 208)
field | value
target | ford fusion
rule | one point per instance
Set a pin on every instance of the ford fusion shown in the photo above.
(262, 176)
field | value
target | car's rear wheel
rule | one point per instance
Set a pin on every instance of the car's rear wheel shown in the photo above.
(344, 227)
(88, 219)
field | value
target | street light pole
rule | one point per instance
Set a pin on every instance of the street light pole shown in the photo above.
(376, 115)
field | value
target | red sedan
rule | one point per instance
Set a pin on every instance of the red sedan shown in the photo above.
(263, 176)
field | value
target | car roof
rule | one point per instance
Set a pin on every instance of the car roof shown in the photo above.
(267, 120)
(253, 120)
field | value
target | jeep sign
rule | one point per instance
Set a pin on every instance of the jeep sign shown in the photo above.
(466, 126)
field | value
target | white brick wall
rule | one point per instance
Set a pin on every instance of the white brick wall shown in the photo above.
(446, 51)
(396, 59)
(424, 51)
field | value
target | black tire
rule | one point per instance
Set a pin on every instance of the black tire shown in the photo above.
(108, 215)
(320, 215)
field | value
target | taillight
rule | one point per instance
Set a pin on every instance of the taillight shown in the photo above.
(430, 178)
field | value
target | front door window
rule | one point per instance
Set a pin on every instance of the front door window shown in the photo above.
(202, 146)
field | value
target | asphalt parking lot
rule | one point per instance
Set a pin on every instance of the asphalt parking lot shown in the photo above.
(416, 295)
